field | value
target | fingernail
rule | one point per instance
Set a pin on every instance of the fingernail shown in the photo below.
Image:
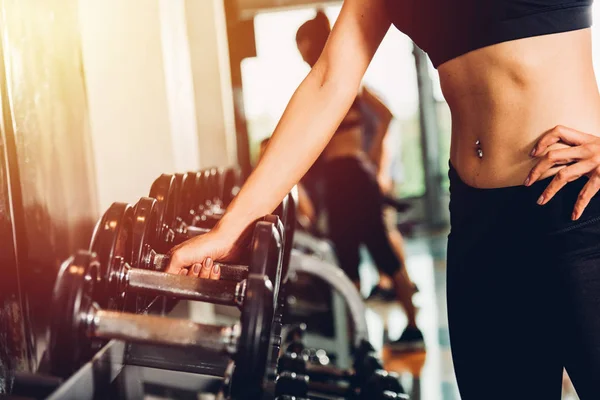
(183, 272)
(540, 200)
(216, 269)
(527, 181)
(196, 268)
(532, 152)
(208, 263)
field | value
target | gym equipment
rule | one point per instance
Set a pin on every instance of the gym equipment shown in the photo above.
(185, 205)
(345, 297)
(139, 270)
(112, 241)
(78, 320)
(291, 384)
(182, 205)
(163, 190)
(369, 381)
(231, 185)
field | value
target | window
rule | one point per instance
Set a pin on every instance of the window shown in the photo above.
(270, 80)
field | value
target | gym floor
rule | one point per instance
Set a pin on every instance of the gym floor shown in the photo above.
(424, 376)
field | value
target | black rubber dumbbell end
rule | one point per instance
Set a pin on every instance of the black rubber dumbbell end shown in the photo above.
(291, 384)
(382, 385)
(293, 362)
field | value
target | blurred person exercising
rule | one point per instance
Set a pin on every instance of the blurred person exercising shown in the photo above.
(353, 200)
(524, 175)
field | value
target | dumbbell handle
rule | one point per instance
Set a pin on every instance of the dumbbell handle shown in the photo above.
(156, 283)
(185, 232)
(160, 330)
(229, 272)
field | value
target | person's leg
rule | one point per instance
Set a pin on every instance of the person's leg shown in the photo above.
(346, 246)
(343, 221)
(382, 253)
(503, 326)
(580, 316)
(502, 298)
(397, 241)
(376, 238)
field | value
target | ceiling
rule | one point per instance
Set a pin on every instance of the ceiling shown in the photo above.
(248, 8)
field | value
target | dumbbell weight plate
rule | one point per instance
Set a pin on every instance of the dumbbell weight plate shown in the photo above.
(265, 254)
(145, 230)
(201, 195)
(186, 198)
(162, 191)
(197, 185)
(113, 239)
(381, 385)
(213, 185)
(145, 238)
(255, 339)
(177, 186)
(290, 226)
(68, 346)
(231, 178)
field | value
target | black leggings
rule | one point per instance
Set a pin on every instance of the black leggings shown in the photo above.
(523, 292)
(354, 208)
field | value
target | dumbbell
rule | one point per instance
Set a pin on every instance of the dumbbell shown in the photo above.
(136, 267)
(368, 371)
(231, 184)
(144, 219)
(168, 190)
(179, 207)
(174, 231)
(291, 384)
(380, 384)
(78, 321)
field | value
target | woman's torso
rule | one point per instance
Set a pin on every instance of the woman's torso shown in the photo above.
(348, 139)
(506, 96)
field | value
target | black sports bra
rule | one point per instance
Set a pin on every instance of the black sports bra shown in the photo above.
(446, 29)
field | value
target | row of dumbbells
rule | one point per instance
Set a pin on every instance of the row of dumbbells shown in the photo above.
(304, 371)
(100, 294)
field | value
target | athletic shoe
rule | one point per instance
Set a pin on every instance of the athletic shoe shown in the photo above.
(411, 340)
(382, 294)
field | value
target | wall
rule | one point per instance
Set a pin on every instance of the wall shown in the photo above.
(127, 96)
(47, 195)
(207, 33)
(158, 91)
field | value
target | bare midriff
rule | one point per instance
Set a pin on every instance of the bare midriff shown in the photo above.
(503, 98)
(347, 140)
(345, 143)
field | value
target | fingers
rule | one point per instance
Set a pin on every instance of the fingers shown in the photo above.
(589, 190)
(215, 272)
(186, 255)
(195, 269)
(564, 176)
(555, 158)
(206, 268)
(560, 134)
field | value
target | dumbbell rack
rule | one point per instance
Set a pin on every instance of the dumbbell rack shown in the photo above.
(111, 370)
(141, 366)
(125, 370)
(345, 296)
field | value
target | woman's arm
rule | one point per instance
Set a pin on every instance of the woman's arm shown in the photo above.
(310, 119)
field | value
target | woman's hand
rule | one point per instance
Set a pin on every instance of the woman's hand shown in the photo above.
(195, 257)
(580, 157)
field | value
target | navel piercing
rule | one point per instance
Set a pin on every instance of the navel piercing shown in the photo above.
(479, 150)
